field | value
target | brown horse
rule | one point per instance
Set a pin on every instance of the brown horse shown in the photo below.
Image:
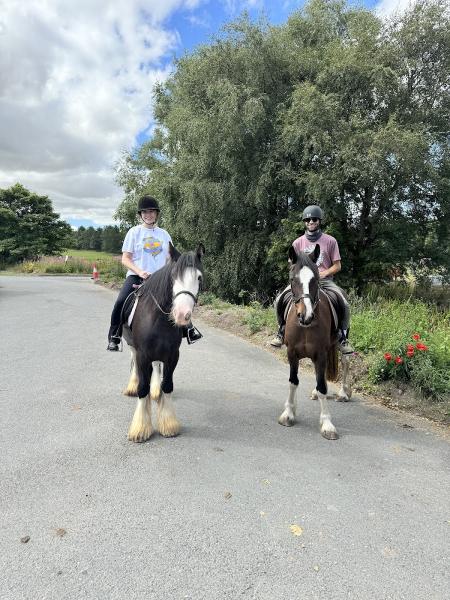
(311, 333)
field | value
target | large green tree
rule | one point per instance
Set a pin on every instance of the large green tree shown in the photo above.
(336, 107)
(29, 227)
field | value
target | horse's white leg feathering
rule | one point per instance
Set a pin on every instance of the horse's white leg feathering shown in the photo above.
(155, 382)
(327, 429)
(141, 425)
(168, 424)
(287, 417)
(131, 389)
(345, 392)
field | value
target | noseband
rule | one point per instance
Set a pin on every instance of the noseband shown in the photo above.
(297, 299)
(195, 298)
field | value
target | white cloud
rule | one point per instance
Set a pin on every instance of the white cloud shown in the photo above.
(75, 89)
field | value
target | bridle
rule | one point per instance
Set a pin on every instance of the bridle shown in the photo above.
(314, 303)
(195, 298)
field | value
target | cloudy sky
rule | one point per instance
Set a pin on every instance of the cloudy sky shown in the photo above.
(76, 80)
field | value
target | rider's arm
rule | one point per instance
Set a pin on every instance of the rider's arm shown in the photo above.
(335, 268)
(129, 264)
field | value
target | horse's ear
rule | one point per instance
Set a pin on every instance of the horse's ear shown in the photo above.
(292, 255)
(315, 253)
(200, 251)
(173, 252)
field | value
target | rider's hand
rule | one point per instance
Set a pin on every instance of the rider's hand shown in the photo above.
(144, 274)
(322, 274)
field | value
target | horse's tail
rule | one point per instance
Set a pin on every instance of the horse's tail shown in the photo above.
(155, 381)
(332, 363)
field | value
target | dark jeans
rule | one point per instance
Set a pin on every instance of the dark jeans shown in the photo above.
(127, 288)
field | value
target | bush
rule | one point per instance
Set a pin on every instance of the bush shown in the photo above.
(413, 361)
(258, 318)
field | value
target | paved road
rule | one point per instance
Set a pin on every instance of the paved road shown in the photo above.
(207, 515)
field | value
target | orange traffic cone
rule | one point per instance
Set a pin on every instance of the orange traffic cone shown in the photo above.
(95, 274)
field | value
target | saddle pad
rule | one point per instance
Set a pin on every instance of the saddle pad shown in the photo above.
(133, 310)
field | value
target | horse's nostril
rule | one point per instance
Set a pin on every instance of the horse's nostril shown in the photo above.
(187, 316)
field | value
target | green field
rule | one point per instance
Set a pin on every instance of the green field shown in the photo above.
(87, 254)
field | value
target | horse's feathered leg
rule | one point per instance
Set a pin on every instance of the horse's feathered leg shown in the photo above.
(168, 424)
(132, 386)
(327, 429)
(345, 392)
(287, 417)
(141, 426)
(155, 380)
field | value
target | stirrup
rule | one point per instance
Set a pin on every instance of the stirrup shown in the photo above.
(193, 335)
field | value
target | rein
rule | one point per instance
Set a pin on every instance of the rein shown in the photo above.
(195, 298)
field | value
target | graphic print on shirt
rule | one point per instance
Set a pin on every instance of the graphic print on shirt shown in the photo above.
(152, 246)
(309, 249)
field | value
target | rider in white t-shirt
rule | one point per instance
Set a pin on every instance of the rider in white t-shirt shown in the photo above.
(144, 251)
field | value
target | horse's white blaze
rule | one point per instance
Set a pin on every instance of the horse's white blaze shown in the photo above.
(155, 381)
(168, 424)
(287, 417)
(141, 425)
(327, 429)
(305, 275)
(183, 305)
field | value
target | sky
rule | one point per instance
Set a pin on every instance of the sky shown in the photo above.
(76, 82)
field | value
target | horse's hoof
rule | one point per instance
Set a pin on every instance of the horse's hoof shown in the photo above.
(341, 398)
(127, 392)
(330, 435)
(169, 428)
(140, 436)
(286, 421)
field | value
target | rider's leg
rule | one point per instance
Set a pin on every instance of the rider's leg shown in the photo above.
(279, 304)
(115, 330)
(344, 325)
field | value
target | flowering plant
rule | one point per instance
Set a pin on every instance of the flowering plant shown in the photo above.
(397, 365)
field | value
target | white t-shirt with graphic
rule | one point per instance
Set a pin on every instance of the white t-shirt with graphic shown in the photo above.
(150, 247)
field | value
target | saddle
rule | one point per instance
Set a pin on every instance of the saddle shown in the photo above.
(284, 303)
(130, 304)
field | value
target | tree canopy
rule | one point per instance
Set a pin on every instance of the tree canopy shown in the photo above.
(28, 225)
(336, 107)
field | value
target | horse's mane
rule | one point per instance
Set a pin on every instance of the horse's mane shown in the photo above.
(159, 285)
(303, 260)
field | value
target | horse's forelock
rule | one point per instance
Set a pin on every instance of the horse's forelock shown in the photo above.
(303, 260)
(188, 260)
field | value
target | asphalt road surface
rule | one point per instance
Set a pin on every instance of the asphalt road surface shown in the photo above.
(235, 507)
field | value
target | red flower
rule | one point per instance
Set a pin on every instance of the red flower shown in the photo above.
(416, 336)
(388, 356)
(410, 347)
(398, 360)
(410, 353)
(421, 346)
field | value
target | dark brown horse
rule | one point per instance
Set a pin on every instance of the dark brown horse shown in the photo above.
(165, 305)
(311, 333)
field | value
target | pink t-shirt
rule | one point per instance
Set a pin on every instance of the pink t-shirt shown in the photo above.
(329, 250)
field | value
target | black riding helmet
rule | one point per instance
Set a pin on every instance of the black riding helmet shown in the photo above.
(312, 211)
(147, 203)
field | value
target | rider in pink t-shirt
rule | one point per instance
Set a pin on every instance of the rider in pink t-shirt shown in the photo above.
(329, 263)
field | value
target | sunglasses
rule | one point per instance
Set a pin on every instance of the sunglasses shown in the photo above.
(311, 220)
